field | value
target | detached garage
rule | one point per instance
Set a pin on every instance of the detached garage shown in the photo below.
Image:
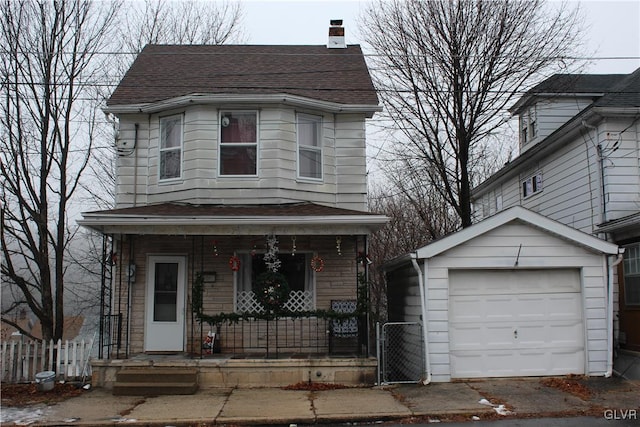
(514, 295)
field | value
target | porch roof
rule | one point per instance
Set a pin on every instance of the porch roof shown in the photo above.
(190, 219)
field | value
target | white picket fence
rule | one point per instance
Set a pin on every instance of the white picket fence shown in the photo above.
(23, 359)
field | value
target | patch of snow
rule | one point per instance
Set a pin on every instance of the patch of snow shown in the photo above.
(124, 420)
(501, 410)
(21, 416)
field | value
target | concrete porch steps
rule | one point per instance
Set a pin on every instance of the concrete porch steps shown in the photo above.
(152, 381)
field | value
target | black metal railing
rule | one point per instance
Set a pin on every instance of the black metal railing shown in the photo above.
(110, 336)
(280, 337)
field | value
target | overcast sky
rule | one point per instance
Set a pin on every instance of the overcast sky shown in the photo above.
(614, 26)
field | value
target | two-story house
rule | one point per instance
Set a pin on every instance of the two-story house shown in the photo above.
(235, 161)
(579, 164)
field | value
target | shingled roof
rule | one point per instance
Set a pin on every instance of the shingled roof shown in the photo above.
(162, 72)
(302, 209)
(177, 218)
(607, 90)
(577, 83)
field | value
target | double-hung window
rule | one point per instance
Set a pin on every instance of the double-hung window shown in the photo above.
(532, 185)
(631, 267)
(309, 132)
(238, 143)
(528, 125)
(295, 268)
(170, 147)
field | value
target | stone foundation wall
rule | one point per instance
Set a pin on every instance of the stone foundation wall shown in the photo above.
(250, 373)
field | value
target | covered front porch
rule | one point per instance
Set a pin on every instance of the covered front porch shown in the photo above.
(184, 285)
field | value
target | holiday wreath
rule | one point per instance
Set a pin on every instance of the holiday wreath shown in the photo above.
(271, 290)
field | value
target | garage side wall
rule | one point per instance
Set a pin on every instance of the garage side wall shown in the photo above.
(517, 246)
(403, 295)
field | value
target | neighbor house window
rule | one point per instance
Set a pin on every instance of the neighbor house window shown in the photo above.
(533, 123)
(170, 147)
(238, 143)
(309, 146)
(631, 267)
(528, 125)
(524, 132)
(532, 185)
(296, 269)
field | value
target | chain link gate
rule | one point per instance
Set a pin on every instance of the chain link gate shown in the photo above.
(401, 353)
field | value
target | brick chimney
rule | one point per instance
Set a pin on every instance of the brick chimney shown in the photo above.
(336, 35)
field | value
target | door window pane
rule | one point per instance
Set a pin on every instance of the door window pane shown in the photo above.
(165, 292)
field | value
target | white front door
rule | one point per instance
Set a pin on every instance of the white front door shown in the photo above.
(165, 312)
(515, 323)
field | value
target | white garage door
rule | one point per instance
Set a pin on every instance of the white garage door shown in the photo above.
(515, 323)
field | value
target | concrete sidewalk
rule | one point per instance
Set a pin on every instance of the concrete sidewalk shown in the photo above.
(483, 399)
(627, 364)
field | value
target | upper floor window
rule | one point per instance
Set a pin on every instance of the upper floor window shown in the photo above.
(528, 125)
(170, 147)
(631, 266)
(309, 146)
(238, 143)
(532, 185)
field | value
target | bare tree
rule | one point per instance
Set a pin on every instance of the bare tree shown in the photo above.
(184, 22)
(416, 218)
(51, 58)
(159, 22)
(139, 23)
(446, 72)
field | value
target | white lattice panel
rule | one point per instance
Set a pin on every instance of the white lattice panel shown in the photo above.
(246, 302)
(299, 301)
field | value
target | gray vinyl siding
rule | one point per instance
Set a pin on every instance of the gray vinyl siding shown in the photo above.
(551, 114)
(403, 305)
(403, 300)
(572, 180)
(622, 168)
(344, 170)
(498, 249)
(350, 159)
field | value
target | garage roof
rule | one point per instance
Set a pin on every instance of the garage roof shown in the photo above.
(517, 213)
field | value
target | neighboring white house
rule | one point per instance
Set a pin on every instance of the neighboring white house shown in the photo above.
(517, 294)
(579, 164)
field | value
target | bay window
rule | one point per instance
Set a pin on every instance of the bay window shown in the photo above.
(238, 143)
(170, 147)
(309, 146)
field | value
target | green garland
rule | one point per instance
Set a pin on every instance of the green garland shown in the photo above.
(197, 291)
(229, 318)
